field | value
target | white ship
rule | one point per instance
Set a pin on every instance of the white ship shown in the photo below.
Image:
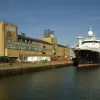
(87, 52)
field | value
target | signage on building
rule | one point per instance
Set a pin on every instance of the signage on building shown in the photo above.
(10, 29)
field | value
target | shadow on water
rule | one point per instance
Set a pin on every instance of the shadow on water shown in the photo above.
(90, 68)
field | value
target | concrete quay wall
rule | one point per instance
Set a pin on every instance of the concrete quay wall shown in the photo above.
(20, 68)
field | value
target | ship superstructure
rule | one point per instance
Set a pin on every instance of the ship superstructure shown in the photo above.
(88, 50)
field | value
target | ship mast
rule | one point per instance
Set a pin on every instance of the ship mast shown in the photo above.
(90, 28)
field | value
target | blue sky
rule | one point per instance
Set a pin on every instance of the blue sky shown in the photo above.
(68, 18)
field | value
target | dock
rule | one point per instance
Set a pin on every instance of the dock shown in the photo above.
(20, 68)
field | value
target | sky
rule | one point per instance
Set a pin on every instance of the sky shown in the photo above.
(68, 18)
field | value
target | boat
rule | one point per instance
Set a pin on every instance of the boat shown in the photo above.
(87, 51)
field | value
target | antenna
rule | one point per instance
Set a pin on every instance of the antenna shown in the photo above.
(90, 28)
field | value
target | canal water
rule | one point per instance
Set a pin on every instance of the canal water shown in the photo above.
(68, 83)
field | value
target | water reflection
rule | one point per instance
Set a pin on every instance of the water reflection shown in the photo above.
(67, 83)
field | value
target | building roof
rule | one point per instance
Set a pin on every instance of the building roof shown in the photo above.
(10, 23)
(33, 39)
(38, 40)
(61, 45)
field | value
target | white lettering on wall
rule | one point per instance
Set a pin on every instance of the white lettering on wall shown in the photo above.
(10, 29)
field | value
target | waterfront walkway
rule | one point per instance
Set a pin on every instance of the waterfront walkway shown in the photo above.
(4, 66)
(17, 68)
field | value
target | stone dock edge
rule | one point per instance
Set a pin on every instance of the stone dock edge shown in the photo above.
(21, 70)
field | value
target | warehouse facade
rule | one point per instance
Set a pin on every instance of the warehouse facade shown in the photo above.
(15, 46)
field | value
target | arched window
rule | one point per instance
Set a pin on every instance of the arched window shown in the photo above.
(9, 35)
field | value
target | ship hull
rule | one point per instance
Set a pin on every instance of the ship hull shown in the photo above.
(87, 58)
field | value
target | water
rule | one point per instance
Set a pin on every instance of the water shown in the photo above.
(67, 83)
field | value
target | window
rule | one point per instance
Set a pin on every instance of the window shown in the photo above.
(89, 42)
(25, 41)
(43, 52)
(9, 35)
(44, 46)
